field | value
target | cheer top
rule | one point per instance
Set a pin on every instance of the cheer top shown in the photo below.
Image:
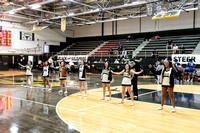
(63, 71)
(45, 71)
(28, 70)
(126, 81)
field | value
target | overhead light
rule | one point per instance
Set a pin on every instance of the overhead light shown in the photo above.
(35, 6)
(12, 12)
(70, 14)
(91, 22)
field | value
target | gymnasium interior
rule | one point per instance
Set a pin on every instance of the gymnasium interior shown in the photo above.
(140, 37)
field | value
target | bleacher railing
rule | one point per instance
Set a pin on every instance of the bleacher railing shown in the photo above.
(130, 53)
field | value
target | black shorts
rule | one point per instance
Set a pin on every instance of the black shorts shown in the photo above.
(126, 85)
(45, 76)
(105, 82)
(28, 75)
(82, 80)
(167, 85)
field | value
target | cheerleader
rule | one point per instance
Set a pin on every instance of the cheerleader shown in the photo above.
(106, 77)
(126, 82)
(28, 73)
(63, 71)
(167, 80)
(82, 77)
(45, 74)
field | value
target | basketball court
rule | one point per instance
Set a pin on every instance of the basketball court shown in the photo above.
(49, 48)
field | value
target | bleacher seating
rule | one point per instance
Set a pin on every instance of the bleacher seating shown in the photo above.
(127, 44)
(81, 48)
(189, 42)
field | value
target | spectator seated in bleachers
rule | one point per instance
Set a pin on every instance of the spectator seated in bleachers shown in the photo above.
(116, 61)
(101, 61)
(124, 53)
(182, 49)
(169, 45)
(122, 61)
(117, 69)
(157, 37)
(175, 49)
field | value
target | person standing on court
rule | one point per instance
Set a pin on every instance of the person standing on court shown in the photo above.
(29, 74)
(82, 77)
(106, 77)
(63, 72)
(167, 80)
(126, 82)
(45, 74)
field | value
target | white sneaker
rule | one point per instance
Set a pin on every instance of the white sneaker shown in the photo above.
(85, 95)
(26, 86)
(31, 87)
(103, 98)
(160, 108)
(43, 89)
(49, 90)
(60, 92)
(121, 102)
(174, 110)
(191, 80)
(109, 99)
(79, 94)
(132, 103)
(187, 81)
(65, 93)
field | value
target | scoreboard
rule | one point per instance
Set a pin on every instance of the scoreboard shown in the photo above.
(5, 37)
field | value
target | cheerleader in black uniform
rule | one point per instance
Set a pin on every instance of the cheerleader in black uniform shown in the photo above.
(167, 80)
(28, 73)
(126, 82)
(82, 77)
(106, 77)
(45, 74)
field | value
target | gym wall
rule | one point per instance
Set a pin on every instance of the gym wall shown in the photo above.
(140, 25)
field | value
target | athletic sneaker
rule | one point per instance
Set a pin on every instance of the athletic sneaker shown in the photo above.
(121, 102)
(26, 86)
(188, 81)
(103, 98)
(109, 99)
(60, 92)
(31, 87)
(65, 93)
(191, 80)
(79, 94)
(49, 90)
(160, 108)
(132, 103)
(43, 89)
(174, 110)
(85, 95)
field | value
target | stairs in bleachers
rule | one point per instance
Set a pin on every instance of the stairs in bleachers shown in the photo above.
(129, 45)
(189, 42)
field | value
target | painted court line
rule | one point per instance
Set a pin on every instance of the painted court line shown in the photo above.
(110, 102)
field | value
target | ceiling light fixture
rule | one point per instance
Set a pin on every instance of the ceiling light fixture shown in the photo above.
(35, 6)
(12, 12)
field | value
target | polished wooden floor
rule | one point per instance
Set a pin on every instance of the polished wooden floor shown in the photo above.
(35, 111)
(93, 115)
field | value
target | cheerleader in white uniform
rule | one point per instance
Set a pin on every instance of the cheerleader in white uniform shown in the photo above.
(167, 80)
(106, 77)
(82, 78)
(28, 73)
(45, 74)
(126, 81)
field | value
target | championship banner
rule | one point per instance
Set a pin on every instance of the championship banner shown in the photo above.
(184, 58)
(63, 24)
